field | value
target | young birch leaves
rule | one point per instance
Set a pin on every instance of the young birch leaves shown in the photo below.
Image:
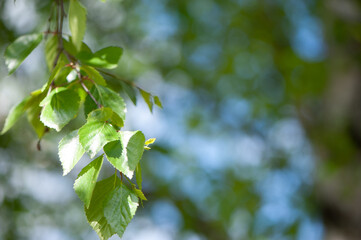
(97, 132)
(75, 80)
(126, 152)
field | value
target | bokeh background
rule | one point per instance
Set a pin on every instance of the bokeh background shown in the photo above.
(259, 137)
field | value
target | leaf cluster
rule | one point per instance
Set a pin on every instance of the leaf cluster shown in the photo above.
(77, 80)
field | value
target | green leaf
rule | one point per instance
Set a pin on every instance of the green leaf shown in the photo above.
(17, 51)
(95, 134)
(15, 113)
(101, 114)
(54, 72)
(104, 58)
(120, 208)
(77, 22)
(138, 176)
(157, 101)
(70, 47)
(34, 110)
(51, 51)
(95, 211)
(59, 107)
(107, 98)
(94, 75)
(129, 90)
(70, 151)
(117, 121)
(147, 98)
(124, 154)
(106, 114)
(85, 183)
(61, 76)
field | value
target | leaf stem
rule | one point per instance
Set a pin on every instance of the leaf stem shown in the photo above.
(87, 90)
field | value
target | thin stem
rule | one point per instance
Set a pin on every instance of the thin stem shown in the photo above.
(38, 145)
(129, 181)
(59, 31)
(87, 90)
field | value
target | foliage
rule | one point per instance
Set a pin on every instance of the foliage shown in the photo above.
(242, 80)
(109, 204)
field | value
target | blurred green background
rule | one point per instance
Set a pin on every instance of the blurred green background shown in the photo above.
(260, 134)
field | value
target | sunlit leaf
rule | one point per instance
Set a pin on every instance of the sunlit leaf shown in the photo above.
(17, 51)
(124, 154)
(59, 107)
(70, 151)
(85, 183)
(95, 134)
(77, 22)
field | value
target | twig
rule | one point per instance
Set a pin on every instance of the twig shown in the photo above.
(59, 31)
(87, 90)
